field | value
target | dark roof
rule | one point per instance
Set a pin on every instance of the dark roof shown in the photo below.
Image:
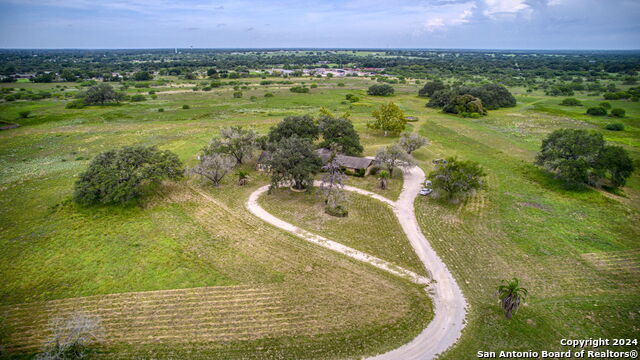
(352, 162)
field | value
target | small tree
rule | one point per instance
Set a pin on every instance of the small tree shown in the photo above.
(511, 295)
(613, 162)
(388, 118)
(235, 141)
(411, 142)
(101, 94)
(392, 156)
(243, 177)
(383, 179)
(332, 187)
(214, 166)
(293, 160)
(455, 179)
(119, 176)
(72, 337)
(142, 76)
(380, 90)
(339, 132)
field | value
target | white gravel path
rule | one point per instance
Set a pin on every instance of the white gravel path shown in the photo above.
(449, 303)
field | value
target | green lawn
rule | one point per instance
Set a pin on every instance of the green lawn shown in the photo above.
(371, 226)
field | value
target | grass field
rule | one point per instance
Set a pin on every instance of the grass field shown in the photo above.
(371, 226)
(576, 252)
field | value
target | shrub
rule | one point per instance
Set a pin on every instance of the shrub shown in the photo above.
(341, 84)
(596, 111)
(605, 105)
(617, 112)
(237, 94)
(571, 102)
(268, 94)
(380, 90)
(75, 104)
(615, 127)
(313, 86)
(352, 98)
(186, 107)
(161, 110)
(119, 176)
(138, 97)
(299, 89)
(24, 114)
(338, 211)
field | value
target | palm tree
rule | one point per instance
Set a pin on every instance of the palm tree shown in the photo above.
(243, 177)
(511, 295)
(383, 176)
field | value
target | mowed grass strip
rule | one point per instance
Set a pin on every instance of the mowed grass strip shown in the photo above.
(371, 225)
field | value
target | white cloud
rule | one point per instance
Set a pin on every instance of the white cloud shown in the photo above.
(506, 8)
(442, 17)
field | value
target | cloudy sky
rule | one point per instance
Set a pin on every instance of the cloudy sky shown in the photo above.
(488, 24)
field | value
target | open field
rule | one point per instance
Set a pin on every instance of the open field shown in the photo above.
(196, 253)
(370, 226)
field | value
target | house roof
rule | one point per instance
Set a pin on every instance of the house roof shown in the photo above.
(352, 162)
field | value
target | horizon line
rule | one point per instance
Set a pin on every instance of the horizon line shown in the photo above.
(321, 48)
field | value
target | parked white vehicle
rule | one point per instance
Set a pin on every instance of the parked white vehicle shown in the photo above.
(427, 184)
(425, 191)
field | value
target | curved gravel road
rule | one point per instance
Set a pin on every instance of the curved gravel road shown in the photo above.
(448, 301)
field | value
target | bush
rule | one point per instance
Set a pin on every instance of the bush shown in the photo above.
(617, 112)
(186, 107)
(338, 211)
(380, 90)
(352, 98)
(615, 127)
(596, 111)
(314, 86)
(138, 97)
(75, 104)
(605, 105)
(571, 102)
(237, 94)
(161, 110)
(299, 89)
(341, 84)
(24, 114)
(268, 94)
(119, 176)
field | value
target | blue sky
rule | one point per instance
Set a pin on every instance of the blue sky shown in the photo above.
(494, 24)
